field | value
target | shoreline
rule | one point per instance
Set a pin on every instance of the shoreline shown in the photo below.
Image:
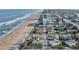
(26, 18)
(11, 31)
(18, 34)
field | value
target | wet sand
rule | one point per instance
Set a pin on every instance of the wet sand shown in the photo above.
(19, 34)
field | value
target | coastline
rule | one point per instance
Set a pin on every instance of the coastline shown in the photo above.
(25, 18)
(18, 35)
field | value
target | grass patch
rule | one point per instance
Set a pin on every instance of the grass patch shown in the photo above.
(60, 46)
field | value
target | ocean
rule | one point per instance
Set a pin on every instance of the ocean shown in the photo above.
(11, 18)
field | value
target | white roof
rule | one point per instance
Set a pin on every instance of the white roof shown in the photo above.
(54, 42)
(71, 42)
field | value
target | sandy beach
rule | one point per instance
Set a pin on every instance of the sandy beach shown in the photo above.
(19, 34)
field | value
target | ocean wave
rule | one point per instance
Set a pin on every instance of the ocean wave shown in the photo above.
(19, 18)
(12, 21)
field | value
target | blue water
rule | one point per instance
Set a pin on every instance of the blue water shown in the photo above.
(10, 16)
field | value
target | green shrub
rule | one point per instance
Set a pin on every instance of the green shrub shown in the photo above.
(27, 45)
(37, 46)
(60, 46)
(73, 46)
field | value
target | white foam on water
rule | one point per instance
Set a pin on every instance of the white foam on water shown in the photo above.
(17, 19)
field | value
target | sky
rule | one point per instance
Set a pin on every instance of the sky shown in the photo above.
(39, 4)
